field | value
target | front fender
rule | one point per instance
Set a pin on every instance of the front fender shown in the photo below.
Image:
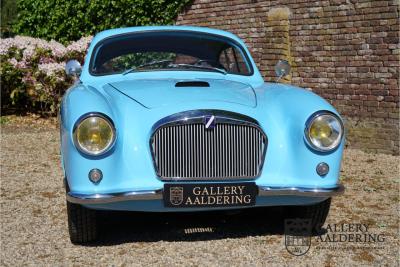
(78, 101)
(289, 159)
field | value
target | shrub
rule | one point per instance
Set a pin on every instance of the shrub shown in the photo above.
(12, 87)
(32, 72)
(68, 20)
(8, 16)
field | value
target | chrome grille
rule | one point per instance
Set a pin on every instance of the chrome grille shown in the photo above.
(190, 151)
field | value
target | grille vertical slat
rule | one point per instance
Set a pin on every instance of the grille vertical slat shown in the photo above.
(240, 144)
(247, 147)
(205, 157)
(162, 156)
(169, 135)
(190, 151)
(175, 165)
(230, 156)
(185, 157)
(234, 154)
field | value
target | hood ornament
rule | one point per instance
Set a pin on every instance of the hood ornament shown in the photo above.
(210, 121)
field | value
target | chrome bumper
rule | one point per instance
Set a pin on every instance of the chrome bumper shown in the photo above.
(263, 191)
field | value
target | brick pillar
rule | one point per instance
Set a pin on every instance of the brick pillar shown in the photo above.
(277, 44)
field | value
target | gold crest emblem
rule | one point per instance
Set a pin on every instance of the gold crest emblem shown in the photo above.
(176, 195)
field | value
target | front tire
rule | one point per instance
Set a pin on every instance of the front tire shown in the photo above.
(317, 213)
(82, 223)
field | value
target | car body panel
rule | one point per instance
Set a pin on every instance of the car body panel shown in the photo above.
(136, 101)
(219, 90)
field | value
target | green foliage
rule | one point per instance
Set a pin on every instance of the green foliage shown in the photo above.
(68, 20)
(4, 120)
(8, 16)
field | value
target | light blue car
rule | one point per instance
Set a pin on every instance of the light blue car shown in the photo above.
(174, 118)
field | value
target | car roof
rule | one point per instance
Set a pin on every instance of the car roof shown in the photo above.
(204, 30)
(107, 33)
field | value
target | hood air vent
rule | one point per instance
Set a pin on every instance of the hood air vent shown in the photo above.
(192, 84)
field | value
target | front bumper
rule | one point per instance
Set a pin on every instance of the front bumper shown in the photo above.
(263, 191)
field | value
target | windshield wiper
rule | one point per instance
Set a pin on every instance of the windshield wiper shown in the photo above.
(198, 67)
(129, 71)
(147, 64)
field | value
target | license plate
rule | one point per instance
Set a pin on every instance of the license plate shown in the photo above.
(210, 195)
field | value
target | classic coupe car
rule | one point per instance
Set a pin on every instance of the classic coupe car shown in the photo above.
(175, 118)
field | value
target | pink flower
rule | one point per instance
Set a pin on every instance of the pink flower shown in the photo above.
(17, 64)
(29, 45)
(13, 62)
(81, 45)
(51, 68)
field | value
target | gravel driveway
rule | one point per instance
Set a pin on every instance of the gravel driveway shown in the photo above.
(34, 229)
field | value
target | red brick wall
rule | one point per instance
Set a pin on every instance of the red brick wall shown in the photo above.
(347, 51)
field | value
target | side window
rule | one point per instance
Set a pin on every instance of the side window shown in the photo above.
(233, 62)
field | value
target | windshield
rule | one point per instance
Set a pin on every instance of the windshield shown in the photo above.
(168, 50)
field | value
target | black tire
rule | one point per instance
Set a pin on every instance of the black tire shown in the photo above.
(317, 213)
(82, 223)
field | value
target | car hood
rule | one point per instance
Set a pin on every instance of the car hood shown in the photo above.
(153, 93)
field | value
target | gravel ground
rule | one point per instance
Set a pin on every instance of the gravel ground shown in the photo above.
(34, 229)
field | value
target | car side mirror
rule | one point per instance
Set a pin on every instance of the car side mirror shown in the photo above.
(73, 68)
(282, 69)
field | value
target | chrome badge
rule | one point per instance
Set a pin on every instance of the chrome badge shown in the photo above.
(210, 122)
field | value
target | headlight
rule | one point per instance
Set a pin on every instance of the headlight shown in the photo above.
(324, 131)
(94, 134)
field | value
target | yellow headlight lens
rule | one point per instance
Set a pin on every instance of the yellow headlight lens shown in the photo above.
(94, 135)
(325, 132)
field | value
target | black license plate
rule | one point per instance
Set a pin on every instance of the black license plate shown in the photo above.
(210, 195)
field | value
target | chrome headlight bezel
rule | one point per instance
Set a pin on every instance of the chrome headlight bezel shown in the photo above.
(309, 123)
(82, 149)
